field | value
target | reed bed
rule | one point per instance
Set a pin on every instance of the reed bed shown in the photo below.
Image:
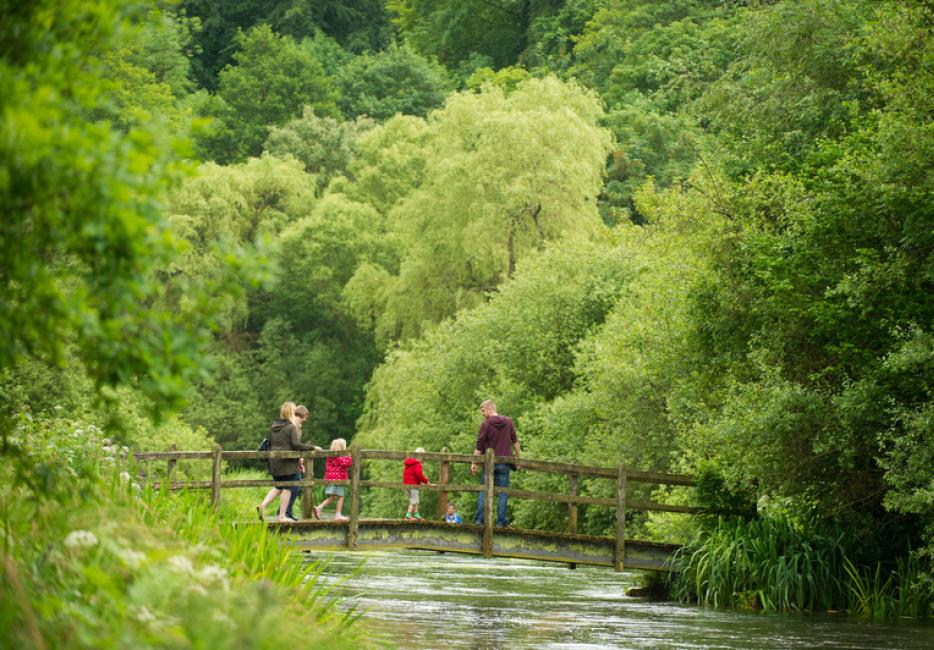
(776, 565)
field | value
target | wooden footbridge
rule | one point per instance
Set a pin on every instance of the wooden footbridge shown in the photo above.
(359, 533)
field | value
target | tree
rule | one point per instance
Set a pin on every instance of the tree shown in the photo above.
(82, 227)
(796, 84)
(813, 337)
(667, 51)
(504, 175)
(273, 79)
(520, 348)
(393, 81)
(357, 25)
(324, 145)
(453, 30)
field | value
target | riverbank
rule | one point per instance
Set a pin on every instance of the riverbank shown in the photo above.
(92, 560)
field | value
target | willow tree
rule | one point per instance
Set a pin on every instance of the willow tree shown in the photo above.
(504, 174)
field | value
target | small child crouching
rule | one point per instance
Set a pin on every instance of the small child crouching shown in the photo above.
(452, 516)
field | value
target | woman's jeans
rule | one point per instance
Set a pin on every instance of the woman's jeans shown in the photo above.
(295, 491)
(500, 479)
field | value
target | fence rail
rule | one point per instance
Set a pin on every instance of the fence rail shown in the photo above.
(621, 474)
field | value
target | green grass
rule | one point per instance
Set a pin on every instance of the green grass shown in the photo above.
(92, 560)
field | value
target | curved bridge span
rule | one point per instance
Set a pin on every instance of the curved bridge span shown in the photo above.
(358, 533)
(392, 534)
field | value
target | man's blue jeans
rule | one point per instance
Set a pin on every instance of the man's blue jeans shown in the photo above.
(500, 479)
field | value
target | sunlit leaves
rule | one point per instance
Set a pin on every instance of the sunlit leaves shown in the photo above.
(505, 173)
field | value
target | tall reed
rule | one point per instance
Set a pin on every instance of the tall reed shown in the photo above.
(776, 565)
(763, 563)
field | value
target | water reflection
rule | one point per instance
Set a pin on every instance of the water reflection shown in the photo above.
(427, 600)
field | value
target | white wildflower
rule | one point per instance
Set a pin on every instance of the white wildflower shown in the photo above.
(81, 539)
(195, 588)
(212, 573)
(222, 618)
(124, 477)
(131, 558)
(181, 564)
(144, 615)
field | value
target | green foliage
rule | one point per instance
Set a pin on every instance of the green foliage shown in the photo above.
(817, 291)
(519, 349)
(263, 209)
(650, 61)
(453, 30)
(324, 145)
(271, 81)
(233, 212)
(764, 563)
(91, 560)
(505, 78)
(358, 25)
(396, 80)
(667, 51)
(797, 83)
(776, 565)
(504, 175)
(391, 162)
(83, 227)
(552, 35)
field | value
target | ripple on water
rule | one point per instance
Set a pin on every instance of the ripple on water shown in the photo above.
(427, 600)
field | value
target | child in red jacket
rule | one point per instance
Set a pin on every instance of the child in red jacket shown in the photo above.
(335, 469)
(413, 475)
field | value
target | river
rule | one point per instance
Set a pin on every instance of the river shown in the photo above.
(426, 600)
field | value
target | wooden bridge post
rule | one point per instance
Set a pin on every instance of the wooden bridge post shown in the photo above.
(216, 477)
(572, 510)
(170, 466)
(618, 561)
(306, 490)
(354, 496)
(488, 504)
(442, 481)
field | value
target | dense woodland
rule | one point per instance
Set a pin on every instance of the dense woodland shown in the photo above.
(685, 235)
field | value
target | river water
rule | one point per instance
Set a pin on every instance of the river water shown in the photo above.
(426, 600)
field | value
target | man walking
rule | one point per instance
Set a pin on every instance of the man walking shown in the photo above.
(499, 434)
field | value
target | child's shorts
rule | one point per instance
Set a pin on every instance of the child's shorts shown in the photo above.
(413, 497)
(336, 490)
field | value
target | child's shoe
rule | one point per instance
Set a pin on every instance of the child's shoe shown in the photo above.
(408, 515)
(418, 517)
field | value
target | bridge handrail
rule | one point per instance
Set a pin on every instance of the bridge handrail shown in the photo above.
(621, 474)
(555, 467)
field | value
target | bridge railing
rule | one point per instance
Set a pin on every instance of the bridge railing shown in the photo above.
(621, 475)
